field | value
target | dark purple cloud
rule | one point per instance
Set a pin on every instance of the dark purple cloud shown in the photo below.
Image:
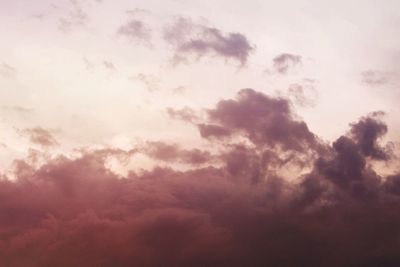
(213, 131)
(347, 165)
(338, 212)
(264, 120)
(190, 39)
(367, 132)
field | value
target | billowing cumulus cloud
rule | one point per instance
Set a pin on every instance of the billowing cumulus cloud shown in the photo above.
(192, 40)
(367, 132)
(338, 211)
(264, 120)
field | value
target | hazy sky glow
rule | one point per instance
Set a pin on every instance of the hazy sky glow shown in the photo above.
(199, 133)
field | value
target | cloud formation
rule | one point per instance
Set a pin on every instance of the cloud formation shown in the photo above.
(137, 31)
(40, 136)
(283, 63)
(264, 120)
(109, 65)
(303, 94)
(186, 114)
(376, 77)
(338, 211)
(75, 16)
(190, 39)
(173, 153)
(151, 82)
(7, 71)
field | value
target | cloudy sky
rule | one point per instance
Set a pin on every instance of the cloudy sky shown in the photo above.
(238, 93)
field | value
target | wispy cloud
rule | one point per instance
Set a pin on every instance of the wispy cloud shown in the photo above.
(286, 62)
(151, 82)
(40, 136)
(7, 71)
(75, 16)
(377, 78)
(136, 31)
(192, 40)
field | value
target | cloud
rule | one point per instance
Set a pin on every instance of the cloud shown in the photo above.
(190, 39)
(376, 77)
(137, 11)
(303, 94)
(18, 109)
(347, 166)
(173, 153)
(367, 131)
(285, 62)
(7, 71)
(76, 16)
(266, 121)
(109, 65)
(40, 136)
(337, 212)
(89, 65)
(137, 31)
(151, 82)
(179, 90)
(213, 131)
(185, 114)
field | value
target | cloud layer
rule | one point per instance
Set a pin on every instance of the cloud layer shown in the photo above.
(336, 211)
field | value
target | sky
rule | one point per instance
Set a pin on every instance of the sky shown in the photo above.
(199, 133)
